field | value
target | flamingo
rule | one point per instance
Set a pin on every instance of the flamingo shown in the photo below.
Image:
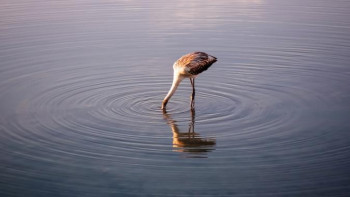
(188, 66)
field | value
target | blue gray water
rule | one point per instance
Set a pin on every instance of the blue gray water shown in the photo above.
(82, 82)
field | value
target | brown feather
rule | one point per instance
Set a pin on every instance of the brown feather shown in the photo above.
(196, 62)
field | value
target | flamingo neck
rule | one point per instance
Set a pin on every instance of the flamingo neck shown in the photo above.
(176, 81)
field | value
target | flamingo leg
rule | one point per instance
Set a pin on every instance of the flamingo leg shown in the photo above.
(193, 93)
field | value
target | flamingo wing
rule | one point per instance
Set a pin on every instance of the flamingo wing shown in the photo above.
(196, 62)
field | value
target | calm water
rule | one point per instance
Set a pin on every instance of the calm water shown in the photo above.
(82, 82)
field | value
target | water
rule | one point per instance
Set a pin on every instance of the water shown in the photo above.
(82, 82)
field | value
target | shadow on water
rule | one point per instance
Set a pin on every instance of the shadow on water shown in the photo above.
(189, 142)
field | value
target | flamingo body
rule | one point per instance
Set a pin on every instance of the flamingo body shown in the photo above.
(188, 66)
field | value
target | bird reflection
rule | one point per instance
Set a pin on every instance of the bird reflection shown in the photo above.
(190, 141)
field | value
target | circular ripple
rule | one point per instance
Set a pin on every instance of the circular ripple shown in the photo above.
(127, 109)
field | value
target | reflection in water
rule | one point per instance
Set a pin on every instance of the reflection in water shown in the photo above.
(190, 141)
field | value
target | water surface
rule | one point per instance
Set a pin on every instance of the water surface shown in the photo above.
(82, 82)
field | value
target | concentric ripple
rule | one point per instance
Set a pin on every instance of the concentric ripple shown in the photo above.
(126, 107)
